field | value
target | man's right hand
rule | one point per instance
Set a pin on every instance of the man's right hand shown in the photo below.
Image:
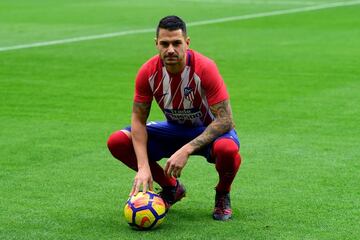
(143, 177)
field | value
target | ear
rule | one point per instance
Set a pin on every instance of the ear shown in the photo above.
(187, 42)
(156, 41)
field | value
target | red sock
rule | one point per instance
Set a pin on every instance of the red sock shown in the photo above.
(227, 164)
(159, 176)
(120, 146)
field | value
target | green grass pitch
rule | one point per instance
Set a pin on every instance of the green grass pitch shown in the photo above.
(294, 81)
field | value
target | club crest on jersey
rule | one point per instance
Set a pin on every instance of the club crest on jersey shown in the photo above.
(189, 94)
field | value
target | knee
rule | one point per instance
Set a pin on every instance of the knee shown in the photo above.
(225, 147)
(117, 140)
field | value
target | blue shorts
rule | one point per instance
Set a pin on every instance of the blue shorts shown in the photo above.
(165, 138)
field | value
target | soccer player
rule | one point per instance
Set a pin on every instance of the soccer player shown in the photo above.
(191, 93)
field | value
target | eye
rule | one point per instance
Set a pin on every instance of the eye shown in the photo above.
(164, 44)
(177, 43)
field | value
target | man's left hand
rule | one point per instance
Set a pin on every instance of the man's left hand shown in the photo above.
(176, 163)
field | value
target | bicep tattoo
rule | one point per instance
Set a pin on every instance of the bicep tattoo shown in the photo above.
(142, 110)
(222, 113)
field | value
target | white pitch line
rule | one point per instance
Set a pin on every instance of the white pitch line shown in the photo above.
(255, 2)
(199, 23)
(276, 12)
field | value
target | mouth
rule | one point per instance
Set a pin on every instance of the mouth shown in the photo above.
(171, 57)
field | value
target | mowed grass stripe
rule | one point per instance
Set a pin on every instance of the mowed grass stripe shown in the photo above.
(199, 23)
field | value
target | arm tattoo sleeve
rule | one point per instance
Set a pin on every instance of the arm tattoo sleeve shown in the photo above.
(223, 123)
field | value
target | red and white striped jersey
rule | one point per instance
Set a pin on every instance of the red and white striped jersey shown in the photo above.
(184, 97)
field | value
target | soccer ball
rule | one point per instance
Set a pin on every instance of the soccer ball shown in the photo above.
(145, 210)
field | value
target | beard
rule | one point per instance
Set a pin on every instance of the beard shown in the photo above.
(171, 60)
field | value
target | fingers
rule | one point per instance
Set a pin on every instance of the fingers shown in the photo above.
(167, 168)
(176, 172)
(145, 186)
(151, 188)
(170, 170)
(135, 188)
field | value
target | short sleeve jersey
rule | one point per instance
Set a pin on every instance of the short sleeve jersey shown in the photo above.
(185, 97)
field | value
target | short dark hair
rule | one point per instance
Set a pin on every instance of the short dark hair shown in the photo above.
(171, 23)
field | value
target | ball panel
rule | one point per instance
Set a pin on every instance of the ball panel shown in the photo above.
(140, 200)
(159, 221)
(128, 212)
(144, 218)
(159, 206)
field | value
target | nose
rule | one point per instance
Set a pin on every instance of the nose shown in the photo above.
(171, 49)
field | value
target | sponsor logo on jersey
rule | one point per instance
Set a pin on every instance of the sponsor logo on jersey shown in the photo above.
(182, 114)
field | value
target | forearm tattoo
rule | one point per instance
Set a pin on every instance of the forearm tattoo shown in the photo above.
(223, 123)
(142, 110)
